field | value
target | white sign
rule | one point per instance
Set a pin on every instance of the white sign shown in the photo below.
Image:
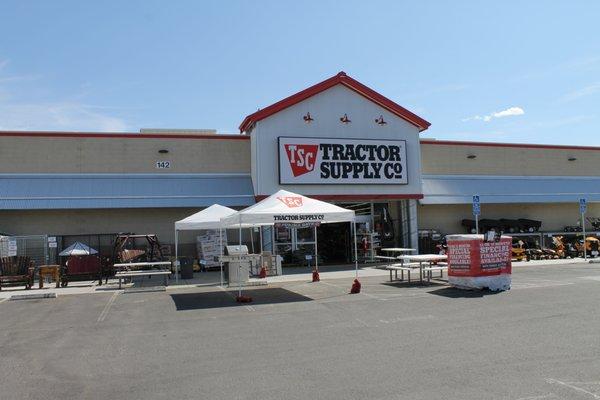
(52, 244)
(51, 238)
(12, 248)
(342, 161)
(163, 164)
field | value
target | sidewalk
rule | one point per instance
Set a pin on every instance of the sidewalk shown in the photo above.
(213, 279)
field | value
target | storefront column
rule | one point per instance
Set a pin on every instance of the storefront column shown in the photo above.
(413, 224)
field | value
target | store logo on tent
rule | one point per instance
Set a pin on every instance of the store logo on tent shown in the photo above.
(291, 201)
(302, 157)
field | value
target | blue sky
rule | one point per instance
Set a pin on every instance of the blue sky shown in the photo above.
(509, 71)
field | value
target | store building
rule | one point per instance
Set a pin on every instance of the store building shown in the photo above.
(338, 141)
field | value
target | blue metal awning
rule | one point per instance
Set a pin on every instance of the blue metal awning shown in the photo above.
(78, 191)
(459, 189)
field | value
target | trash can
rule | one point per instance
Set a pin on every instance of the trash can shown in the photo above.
(186, 268)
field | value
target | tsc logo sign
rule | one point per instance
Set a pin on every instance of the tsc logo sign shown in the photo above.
(291, 201)
(342, 161)
(302, 157)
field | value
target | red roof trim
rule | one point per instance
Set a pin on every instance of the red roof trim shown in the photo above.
(86, 135)
(352, 197)
(514, 145)
(342, 79)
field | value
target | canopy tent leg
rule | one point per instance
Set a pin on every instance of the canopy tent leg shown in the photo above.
(355, 249)
(240, 264)
(221, 253)
(176, 258)
(316, 252)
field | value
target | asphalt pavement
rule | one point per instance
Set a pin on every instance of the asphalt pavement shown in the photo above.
(302, 340)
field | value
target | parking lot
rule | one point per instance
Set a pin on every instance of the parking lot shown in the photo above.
(301, 340)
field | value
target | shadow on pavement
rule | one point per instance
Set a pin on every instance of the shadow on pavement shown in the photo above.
(454, 293)
(220, 299)
(412, 283)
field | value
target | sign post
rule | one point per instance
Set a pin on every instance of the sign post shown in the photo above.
(476, 212)
(582, 210)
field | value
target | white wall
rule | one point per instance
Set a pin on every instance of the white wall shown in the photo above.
(326, 108)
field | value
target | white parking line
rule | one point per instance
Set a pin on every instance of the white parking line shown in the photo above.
(570, 386)
(544, 396)
(3, 300)
(104, 312)
(406, 319)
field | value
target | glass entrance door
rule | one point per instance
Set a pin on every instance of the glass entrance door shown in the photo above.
(294, 243)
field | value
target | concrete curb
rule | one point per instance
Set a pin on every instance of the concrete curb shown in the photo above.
(35, 296)
(145, 289)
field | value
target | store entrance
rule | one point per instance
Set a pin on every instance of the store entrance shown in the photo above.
(335, 243)
(294, 244)
(378, 225)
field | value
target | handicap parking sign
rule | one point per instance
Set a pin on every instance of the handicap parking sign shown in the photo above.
(582, 206)
(476, 206)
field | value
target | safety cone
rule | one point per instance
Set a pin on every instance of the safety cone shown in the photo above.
(263, 272)
(355, 287)
(316, 277)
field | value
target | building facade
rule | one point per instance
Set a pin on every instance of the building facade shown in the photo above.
(339, 141)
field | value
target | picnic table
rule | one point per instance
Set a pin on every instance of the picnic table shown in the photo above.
(398, 250)
(128, 270)
(427, 260)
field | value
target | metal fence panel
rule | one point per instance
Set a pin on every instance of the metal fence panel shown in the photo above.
(35, 247)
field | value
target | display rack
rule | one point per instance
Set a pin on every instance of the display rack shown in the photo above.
(373, 243)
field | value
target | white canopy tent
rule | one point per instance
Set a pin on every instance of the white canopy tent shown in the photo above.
(209, 218)
(294, 209)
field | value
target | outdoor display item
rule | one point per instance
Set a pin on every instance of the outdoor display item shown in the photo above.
(477, 264)
(209, 246)
(573, 228)
(530, 225)
(592, 246)
(519, 251)
(521, 225)
(16, 271)
(595, 222)
(124, 251)
(82, 263)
